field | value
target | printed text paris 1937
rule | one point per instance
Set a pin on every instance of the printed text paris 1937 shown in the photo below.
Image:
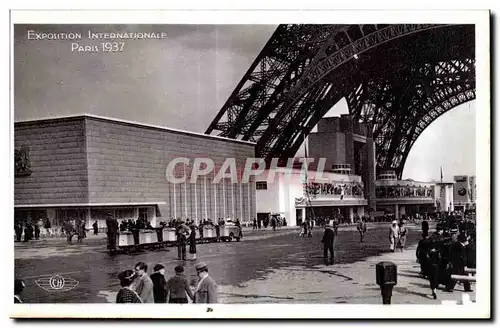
(97, 41)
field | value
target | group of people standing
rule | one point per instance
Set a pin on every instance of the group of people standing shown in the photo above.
(31, 230)
(447, 251)
(138, 287)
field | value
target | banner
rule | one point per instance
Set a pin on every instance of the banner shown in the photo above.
(461, 189)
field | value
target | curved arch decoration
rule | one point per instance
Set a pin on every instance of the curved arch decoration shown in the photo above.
(304, 70)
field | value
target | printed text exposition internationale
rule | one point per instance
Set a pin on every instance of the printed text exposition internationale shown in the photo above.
(34, 35)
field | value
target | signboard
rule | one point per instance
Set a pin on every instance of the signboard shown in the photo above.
(461, 189)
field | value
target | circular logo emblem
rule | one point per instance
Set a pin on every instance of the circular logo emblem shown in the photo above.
(462, 191)
(56, 282)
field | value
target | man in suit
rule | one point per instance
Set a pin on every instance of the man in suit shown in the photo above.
(361, 229)
(458, 262)
(144, 285)
(327, 240)
(206, 291)
(112, 232)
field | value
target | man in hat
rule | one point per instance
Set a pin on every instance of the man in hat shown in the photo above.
(458, 262)
(159, 284)
(183, 233)
(177, 287)
(112, 232)
(206, 291)
(328, 238)
(144, 285)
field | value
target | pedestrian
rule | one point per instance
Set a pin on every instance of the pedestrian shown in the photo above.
(96, 228)
(432, 269)
(422, 252)
(259, 223)
(69, 230)
(403, 233)
(182, 234)
(144, 285)
(254, 224)
(240, 233)
(47, 225)
(80, 230)
(361, 229)
(303, 232)
(127, 294)
(112, 231)
(37, 230)
(309, 228)
(425, 226)
(458, 262)
(206, 291)
(18, 289)
(192, 243)
(327, 240)
(393, 235)
(18, 228)
(177, 287)
(159, 284)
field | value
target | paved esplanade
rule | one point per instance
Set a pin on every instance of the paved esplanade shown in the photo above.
(274, 267)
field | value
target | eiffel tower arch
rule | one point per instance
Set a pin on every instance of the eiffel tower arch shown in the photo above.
(397, 79)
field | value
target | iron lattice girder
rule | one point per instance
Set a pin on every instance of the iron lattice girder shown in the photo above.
(375, 86)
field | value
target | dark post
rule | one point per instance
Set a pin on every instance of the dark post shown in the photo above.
(387, 278)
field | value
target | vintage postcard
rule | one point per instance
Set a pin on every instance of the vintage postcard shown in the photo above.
(250, 164)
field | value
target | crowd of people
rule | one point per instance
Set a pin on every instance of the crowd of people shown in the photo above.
(139, 287)
(448, 251)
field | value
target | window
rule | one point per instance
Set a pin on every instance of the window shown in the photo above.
(261, 185)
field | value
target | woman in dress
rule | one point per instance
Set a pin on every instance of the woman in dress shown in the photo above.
(126, 293)
(393, 235)
(192, 243)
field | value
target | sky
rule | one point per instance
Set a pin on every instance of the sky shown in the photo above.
(182, 81)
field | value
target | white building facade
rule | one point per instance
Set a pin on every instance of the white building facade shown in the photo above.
(295, 195)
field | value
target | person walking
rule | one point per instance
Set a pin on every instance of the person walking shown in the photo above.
(144, 284)
(254, 224)
(403, 233)
(47, 227)
(206, 291)
(69, 231)
(327, 240)
(177, 287)
(112, 231)
(393, 235)
(433, 264)
(192, 243)
(159, 284)
(127, 294)
(425, 226)
(361, 229)
(95, 227)
(183, 232)
(458, 262)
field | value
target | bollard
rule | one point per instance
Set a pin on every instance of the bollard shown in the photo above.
(387, 278)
